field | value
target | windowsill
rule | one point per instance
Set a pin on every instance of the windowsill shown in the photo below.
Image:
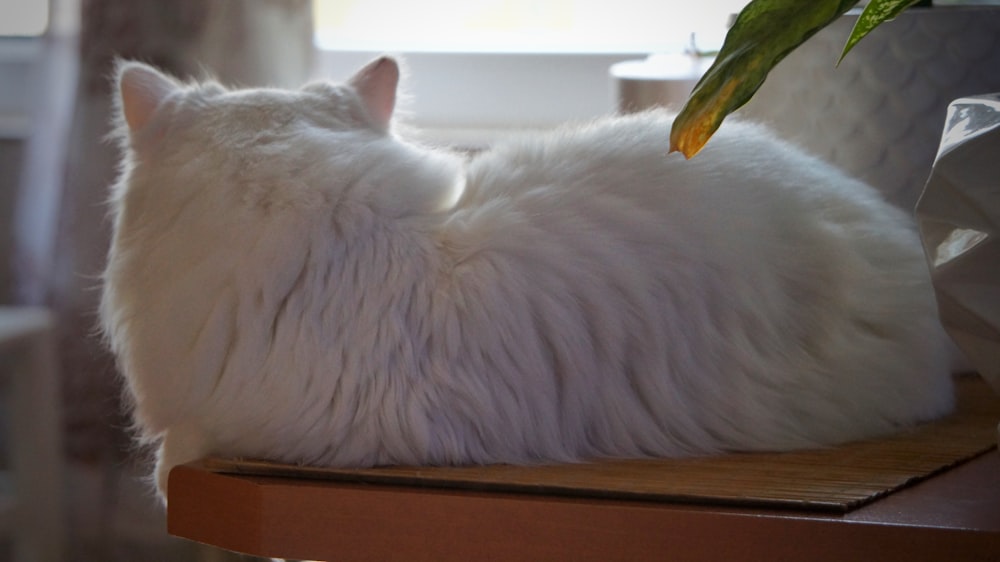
(474, 99)
(20, 49)
(467, 138)
(460, 99)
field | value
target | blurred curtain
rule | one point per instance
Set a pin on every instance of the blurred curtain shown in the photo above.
(62, 232)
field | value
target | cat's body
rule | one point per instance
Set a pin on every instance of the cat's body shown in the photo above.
(289, 280)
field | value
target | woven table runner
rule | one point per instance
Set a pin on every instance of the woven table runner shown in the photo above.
(833, 479)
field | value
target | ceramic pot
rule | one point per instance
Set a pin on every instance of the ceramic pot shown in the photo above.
(878, 115)
(959, 218)
(663, 80)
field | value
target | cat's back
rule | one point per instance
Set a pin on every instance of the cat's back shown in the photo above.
(746, 173)
(734, 202)
(570, 158)
(627, 157)
(758, 267)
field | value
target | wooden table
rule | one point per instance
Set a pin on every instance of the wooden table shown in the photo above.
(954, 516)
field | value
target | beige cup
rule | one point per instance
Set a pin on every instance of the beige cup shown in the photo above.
(661, 80)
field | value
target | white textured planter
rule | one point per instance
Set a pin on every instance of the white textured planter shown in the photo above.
(959, 218)
(879, 114)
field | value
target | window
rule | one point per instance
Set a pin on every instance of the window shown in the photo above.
(22, 22)
(478, 70)
(595, 26)
(23, 18)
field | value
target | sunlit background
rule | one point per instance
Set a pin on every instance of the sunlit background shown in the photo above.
(599, 26)
(20, 18)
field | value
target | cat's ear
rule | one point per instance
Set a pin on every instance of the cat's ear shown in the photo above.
(141, 89)
(376, 84)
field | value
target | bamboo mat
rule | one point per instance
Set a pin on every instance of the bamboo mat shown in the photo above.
(835, 479)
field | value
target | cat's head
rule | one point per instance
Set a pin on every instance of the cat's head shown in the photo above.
(368, 98)
(260, 149)
(229, 198)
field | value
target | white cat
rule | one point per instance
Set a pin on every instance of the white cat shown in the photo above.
(291, 280)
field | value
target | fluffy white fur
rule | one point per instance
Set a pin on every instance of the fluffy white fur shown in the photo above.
(288, 279)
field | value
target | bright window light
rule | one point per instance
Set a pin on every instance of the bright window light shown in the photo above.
(23, 18)
(515, 26)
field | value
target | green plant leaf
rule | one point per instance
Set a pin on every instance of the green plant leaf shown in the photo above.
(763, 33)
(875, 13)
